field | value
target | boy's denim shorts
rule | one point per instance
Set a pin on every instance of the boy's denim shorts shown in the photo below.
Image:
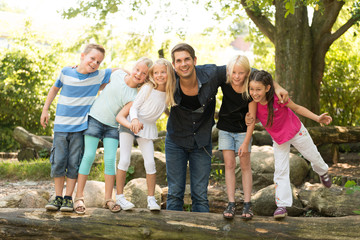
(231, 141)
(66, 154)
(100, 130)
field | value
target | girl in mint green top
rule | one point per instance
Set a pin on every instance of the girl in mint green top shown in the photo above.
(120, 92)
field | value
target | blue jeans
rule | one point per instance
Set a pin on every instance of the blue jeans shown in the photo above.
(66, 154)
(177, 158)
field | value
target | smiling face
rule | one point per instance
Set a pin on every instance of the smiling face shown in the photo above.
(184, 64)
(238, 75)
(139, 73)
(90, 61)
(160, 76)
(258, 91)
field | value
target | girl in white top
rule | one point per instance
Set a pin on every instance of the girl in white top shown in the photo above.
(152, 100)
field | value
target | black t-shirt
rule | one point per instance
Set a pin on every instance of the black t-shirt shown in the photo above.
(190, 102)
(233, 109)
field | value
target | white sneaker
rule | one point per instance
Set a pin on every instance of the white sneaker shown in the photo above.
(124, 204)
(152, 205)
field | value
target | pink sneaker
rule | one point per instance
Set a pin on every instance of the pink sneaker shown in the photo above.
(325, 180)
(280, 212)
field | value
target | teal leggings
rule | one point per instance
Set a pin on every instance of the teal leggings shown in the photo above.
(110, 148)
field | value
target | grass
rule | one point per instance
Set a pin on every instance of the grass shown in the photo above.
(39, 170)
(31, 170)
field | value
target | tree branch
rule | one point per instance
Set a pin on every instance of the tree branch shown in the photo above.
(262, 22)
(343, 29)
(324, 21)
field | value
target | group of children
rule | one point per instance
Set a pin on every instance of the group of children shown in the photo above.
(82, 119)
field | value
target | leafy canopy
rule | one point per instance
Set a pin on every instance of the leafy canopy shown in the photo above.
(27, 73)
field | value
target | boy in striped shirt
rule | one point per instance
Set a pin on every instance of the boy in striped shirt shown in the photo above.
(79, 88)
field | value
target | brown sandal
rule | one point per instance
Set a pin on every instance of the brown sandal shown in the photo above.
(79, 205)
(111, 205)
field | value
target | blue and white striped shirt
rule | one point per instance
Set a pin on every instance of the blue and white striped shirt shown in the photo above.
(76, 97)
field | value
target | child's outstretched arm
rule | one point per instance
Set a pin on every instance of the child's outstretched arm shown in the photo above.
(244, 148)
(44, 119)
(323, 118)
(281, 93)
(102, 86)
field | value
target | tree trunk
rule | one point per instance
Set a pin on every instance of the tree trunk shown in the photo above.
(293, 53)
(300, 47)
(143, 224)
(334, 134)
(29, 140)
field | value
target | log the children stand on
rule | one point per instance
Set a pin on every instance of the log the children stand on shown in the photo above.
(143, 224)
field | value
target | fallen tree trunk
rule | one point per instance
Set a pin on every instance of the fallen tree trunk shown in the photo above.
(140, 224)
(320, 135)
(29, 140)
(31, 145)
(334, 134)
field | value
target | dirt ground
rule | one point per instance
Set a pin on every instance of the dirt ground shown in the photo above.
(348, 165)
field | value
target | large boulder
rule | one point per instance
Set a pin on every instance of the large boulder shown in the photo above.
(263, 202)
(136, 192)
(94, 194)
(334, 201)
(262, 165)
(217, 197)
(26, 199)
(261, 138)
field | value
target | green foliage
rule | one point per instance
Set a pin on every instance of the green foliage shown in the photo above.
(340, 91)
(129, 174)
(44, 153)
(97, 171)
(264, 51)
(100, 9)
(187, 207)
(28, 70)
(27, 73)
(36, 170)
(217, 173)
(39, 169)
(161, 122)
(351, 188)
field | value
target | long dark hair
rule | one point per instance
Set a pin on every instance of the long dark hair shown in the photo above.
(266, 79)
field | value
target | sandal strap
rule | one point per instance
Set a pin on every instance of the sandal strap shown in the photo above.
(78, 199)
(231, 208)
(247, 208)
(109, 200)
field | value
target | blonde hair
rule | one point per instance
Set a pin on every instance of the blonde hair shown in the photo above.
(148, 62)
(170, 82)
(242, 61)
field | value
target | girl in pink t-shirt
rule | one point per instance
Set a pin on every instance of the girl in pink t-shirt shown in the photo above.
(285, 129)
